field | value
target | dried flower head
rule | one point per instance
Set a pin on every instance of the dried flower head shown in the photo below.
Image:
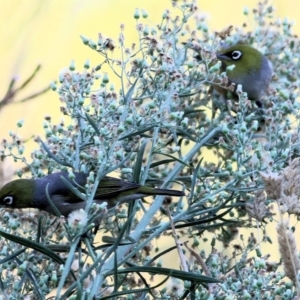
(258, 208)
(272, 184)
(288, 250)
(285, 187)
(225, 32)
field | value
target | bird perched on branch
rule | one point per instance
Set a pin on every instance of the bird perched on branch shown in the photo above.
(32, 193)
(243, 65)
(251, 69)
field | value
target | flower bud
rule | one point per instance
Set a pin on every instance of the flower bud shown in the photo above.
(136, 14)
(144, 14)
(87, 64)
(84, 39)
(105, 78)
(53, 86)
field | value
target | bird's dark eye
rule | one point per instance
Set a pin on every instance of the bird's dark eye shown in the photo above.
(8, 200)
(235, 55)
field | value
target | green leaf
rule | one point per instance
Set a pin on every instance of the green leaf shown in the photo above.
(139, 162)
(33, 245)
(161, 162)
(169, 272)
(129, 94)
(109, 240)
(138, 132)
(56, 211)
(185, 134)
(12, 256)
(174, 158)
(194, 180)
(30, 275)
(72, 188)
(92, 123)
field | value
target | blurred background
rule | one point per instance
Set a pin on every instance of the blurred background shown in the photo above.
(48, 33)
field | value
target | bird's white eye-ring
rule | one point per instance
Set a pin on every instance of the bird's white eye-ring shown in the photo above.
(236, 54)
(8, 200)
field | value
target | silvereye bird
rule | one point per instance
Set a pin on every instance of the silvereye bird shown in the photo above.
(252, 70)
(26, 193)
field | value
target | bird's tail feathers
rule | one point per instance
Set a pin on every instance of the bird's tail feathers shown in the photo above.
(167, 192)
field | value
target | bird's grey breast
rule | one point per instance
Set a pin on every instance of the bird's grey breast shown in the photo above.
(55, 187)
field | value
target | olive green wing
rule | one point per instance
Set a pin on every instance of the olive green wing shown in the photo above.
(110, 187)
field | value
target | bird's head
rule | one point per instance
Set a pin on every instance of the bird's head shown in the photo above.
(245, 58)
(17, 194)
(250, 68)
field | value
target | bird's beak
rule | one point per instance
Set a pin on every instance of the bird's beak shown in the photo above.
(222, 56)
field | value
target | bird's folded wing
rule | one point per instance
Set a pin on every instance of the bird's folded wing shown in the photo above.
(110, 187)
